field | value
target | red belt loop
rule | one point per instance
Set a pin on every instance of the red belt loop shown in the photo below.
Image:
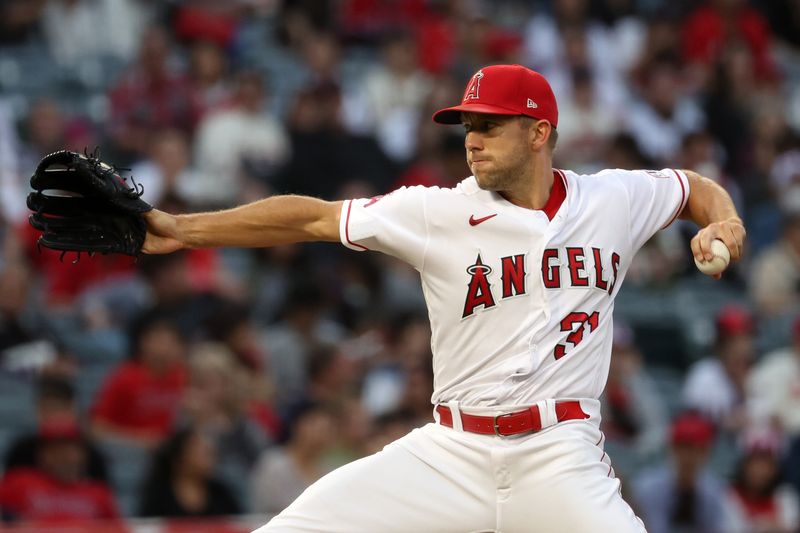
(516, 423)
(445, 416)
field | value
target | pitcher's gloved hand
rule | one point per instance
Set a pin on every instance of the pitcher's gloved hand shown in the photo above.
(82, 204)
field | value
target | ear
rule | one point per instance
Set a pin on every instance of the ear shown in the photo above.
(539, 134)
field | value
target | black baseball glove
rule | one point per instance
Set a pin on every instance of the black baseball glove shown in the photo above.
(82, 204)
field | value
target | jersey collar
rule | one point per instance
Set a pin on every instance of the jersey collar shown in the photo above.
(557, 195)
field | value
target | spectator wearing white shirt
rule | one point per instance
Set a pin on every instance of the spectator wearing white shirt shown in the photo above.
(238, 148)
(284, 472)
(715, 385)
(785, 178)
(545, 39)
(775, 273)
(77, 29)
(395, 92)
(774, 397)
(166, 172)
(208, 77)
(607, 84)
(11, 187)
(585, 125)
(664, 113)
(759, 501)
(46, 128)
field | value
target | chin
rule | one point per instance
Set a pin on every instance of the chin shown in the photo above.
(486, 183)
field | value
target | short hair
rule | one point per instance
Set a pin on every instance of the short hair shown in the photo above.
(320, 361)
(55, 387)
(151, 265)
(145, 323)
(225, 320)
(553, 139)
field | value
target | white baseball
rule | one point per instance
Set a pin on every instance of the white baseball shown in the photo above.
(722, 256)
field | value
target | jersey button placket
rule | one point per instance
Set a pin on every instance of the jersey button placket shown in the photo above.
(553, 230)
(540, 305)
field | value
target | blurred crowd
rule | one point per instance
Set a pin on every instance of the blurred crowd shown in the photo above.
(220, 382)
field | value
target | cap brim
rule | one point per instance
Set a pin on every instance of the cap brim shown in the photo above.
(452, 115)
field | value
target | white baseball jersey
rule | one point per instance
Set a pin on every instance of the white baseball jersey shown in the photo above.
(520, 301)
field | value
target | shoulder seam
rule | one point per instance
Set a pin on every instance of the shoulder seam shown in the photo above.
(427, 232)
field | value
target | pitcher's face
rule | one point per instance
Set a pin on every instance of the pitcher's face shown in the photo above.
(498, 149)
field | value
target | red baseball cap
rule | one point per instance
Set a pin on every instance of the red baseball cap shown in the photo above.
(692, 429)
(505, 90)
(734, 320)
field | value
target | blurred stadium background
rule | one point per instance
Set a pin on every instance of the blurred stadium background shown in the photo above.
(203, 391)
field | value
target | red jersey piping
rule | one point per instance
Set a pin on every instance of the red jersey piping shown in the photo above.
(347, 228)
(683, 199)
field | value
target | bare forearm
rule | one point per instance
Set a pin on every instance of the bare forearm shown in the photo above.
(708, 202)
(711, 208)
(269, 222)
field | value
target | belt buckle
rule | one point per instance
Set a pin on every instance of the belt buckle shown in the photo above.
(497, 427)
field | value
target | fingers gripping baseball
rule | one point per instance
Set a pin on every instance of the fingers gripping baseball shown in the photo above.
(732, 234)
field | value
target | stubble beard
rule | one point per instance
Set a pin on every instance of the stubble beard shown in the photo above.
(502, 179)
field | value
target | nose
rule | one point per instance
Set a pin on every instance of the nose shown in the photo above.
(473, 141)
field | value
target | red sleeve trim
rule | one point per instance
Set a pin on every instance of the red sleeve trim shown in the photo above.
(347, 229)
(684, 198)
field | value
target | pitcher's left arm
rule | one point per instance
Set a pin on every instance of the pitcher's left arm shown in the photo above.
(711, 208)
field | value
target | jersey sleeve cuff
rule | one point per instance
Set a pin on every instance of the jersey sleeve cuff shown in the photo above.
(344, 227)
(683, 182)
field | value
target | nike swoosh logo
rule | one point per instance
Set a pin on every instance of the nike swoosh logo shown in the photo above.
(475, 221)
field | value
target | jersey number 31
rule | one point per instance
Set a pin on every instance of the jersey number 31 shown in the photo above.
(576, 323)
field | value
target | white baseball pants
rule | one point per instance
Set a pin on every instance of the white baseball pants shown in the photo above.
(441, 480)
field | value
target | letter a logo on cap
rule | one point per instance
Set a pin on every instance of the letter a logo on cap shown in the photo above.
(474, 87)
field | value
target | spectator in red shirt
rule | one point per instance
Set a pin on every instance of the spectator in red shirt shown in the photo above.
(63, 279)
(56, 490)
(150, 96)
(140, 399)
(210, 83)
(48, 128)
(55, 402)
(711, 28)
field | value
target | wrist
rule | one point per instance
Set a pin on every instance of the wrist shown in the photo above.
(734, 220)
(184, 233)
(729, 220)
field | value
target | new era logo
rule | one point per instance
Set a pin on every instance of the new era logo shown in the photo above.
(532, 104)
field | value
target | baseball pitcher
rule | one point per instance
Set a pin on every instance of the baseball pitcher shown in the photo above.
(520, 264)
